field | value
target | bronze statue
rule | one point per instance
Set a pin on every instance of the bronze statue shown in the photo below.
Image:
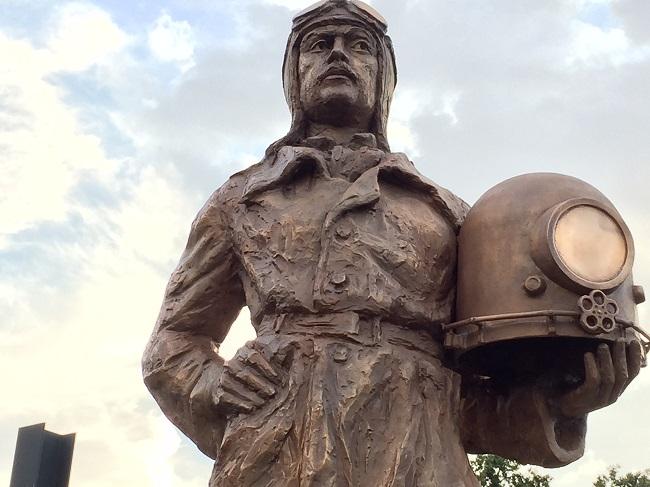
(347, 258)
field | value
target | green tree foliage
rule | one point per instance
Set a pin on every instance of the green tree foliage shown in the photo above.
(614, 479)
(494, 471)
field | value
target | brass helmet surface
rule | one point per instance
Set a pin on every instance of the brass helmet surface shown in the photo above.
(530, 248)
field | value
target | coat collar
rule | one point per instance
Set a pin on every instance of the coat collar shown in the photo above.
(363, 192)
(358, 141)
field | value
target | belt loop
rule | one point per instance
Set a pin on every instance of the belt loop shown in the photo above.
(376, 330)
(279, 322)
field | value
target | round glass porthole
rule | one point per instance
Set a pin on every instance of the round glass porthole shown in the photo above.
(590, 243)
(586, 243)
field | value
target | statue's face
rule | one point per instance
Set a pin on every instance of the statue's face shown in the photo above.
(338, 75)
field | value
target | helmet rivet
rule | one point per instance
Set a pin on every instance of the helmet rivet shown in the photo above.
(639, 294)
(535, 286)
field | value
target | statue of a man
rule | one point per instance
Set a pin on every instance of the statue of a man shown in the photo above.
(346, 256)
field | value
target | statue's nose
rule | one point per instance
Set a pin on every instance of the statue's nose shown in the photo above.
(338, 51)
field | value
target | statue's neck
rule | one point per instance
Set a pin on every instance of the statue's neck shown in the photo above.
(340, 135)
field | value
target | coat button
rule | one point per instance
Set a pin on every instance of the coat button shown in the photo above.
(344, 232)
(340, 353)
(339, 279)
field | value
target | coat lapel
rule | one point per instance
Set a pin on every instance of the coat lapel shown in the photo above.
(281, 169)
(365, 191)
(451, 206)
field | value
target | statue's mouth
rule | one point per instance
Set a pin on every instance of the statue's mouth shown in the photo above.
(338, 72)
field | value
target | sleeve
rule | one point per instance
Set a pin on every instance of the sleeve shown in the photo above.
(181, 364)
(519, 424)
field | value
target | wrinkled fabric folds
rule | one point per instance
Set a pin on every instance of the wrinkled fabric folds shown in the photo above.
(349, 415)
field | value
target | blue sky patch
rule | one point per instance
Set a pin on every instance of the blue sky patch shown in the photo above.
(600, 15)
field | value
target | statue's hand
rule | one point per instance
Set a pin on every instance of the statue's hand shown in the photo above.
(607, 375)
(248, 380)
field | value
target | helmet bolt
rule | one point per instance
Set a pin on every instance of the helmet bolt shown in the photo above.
(535, 286)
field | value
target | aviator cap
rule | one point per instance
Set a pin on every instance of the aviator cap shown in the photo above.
(336, 12)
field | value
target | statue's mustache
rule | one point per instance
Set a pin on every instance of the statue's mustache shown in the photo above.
(339, 70)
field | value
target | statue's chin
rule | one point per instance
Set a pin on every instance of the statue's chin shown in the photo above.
(338, 107)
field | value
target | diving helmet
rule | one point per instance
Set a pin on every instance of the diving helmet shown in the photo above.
(541, 257)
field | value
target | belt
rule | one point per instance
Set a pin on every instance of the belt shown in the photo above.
(369, 331)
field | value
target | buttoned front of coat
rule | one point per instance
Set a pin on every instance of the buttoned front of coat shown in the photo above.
(383, 244)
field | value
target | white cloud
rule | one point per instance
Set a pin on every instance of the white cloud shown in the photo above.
(80, 363)
(583, 4)
(291, 4)
(86, 361)
(410, 103)
(240, 332)
(406, 104)
(449, 102)
(582, 473)
(635, 15)
(596, 47)
(43, 149)
(84, 35)
(172, 41)
(159, 465)
(296, 4)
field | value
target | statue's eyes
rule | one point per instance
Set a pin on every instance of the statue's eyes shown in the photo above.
(361, 46)
(319, 46)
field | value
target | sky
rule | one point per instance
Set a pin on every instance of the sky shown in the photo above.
(118, 119)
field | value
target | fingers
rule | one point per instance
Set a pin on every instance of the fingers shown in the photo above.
(230, 401)
(607, 376)
(258, 384)
(234, 395)
(576, 403)
(634, 361)
(251, 356)
(229, 384)
(620, 371)
(247, 380)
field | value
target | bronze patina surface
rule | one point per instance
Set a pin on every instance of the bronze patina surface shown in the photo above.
(347, 258)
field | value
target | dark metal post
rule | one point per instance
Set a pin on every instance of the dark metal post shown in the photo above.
(43, 459)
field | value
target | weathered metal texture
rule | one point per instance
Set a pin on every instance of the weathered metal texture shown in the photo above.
(346, 257)
(509, 264)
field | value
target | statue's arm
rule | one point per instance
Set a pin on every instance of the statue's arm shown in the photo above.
(203, 298)
(545, 424)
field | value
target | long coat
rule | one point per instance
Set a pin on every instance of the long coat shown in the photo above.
(346, 257)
